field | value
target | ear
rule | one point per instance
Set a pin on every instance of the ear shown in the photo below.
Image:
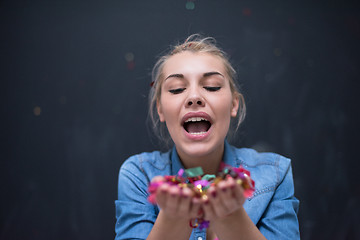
(235, 105)
(159, 110)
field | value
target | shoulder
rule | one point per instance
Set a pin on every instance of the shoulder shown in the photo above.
(273, 183)
(146, 163)
(267, 169)
(251, 158)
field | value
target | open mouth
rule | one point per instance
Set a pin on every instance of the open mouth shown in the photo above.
(196, 125)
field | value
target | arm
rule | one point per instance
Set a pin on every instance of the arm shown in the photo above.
(229, 220)
(139, 219)
(279, 220)
(177, 207)
(135, 215)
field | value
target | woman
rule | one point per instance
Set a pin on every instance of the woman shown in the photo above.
(195, 97)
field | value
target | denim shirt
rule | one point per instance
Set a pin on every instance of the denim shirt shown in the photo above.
(272, 208)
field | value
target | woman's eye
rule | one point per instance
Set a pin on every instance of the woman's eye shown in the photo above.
(212, 89)
(177, 90)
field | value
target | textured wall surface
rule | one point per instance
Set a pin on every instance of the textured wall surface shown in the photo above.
(74, 82)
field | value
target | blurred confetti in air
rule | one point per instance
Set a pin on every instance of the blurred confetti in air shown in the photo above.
(291, 20)
(352, 23)
(277, 52)
(63, 100)
(246, 12)
(129, 57)
(116, 110)
(190, 5)
(82, 83)
(37, 111)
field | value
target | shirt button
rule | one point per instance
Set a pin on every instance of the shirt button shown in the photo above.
(200, 238)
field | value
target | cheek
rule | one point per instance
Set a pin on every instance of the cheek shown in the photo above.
(225, 107)
(169, 111)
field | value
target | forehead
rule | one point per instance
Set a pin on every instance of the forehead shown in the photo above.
(189, 62)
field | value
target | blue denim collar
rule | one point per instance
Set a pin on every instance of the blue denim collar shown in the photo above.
(175, 161)
(228, 158)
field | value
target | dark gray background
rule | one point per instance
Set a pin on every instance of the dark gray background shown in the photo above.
(298, 66)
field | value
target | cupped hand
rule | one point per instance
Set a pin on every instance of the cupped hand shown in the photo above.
(176, 202)
(223, 199)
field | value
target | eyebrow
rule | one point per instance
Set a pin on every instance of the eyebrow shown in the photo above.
(207, 74)
(176, 75)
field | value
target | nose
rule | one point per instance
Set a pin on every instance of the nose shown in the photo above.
(192, 101)
(195, 100)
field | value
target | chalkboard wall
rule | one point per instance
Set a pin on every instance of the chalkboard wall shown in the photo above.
(75, 77)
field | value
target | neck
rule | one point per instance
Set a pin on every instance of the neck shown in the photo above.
(210, 163)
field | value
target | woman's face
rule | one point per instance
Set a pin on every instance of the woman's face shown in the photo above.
(196, 103)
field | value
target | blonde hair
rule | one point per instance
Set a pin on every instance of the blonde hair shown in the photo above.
(195, 44)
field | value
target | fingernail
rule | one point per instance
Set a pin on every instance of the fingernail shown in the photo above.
(213, 194)
(223, 189)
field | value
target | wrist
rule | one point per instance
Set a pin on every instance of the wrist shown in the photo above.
(171, 219)
(237, 225)
(167, 227)
(234, 217)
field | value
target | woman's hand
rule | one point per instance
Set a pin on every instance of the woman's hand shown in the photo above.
(222, 200)
(176, 202)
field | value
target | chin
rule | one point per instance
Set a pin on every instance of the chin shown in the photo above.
(199, 149)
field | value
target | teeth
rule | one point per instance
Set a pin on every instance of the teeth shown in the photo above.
(195, 119)
(197, 133)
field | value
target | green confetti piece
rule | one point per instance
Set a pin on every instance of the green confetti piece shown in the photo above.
(208, 177)
(194, 172)
(206, 188)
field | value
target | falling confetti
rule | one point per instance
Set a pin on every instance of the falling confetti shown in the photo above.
(129, 57)
(63, 100)
(190, 5)
(37, 111)
(130, 65)
(82, 82)
(291, 21)
(116, 110)
(246, 12)
(277, 52)
(310, 62)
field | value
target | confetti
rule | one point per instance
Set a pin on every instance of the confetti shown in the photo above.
(129, 57)
(130, 65)
(246, 12)
(277, 52)
(194, 172)
(37, 111)
(195, 180)
(63, 100)
(190, 5)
